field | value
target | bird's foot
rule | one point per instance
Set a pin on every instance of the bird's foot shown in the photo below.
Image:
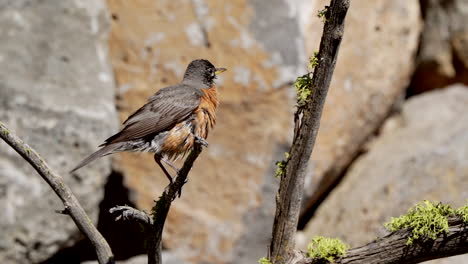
(171, 179)
(201, 141)
(179, 192)
(158, 160)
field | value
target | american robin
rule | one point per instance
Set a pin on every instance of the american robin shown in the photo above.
(171, 121)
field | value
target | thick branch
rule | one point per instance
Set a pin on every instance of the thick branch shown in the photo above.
(292, 183)
(393, 249)
(72, 206)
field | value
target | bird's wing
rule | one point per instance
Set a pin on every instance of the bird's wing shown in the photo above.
(163, 110)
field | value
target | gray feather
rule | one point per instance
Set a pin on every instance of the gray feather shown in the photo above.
(106, 150)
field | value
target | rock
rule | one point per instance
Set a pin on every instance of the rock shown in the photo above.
(232, 181)
(57, 94)
(420, 155)
(450, 260)
(373, 69)
(443, 54)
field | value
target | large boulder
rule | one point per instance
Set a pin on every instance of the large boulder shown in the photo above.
(421, 154)
(460, 259)
(374, 67)
(57, 93)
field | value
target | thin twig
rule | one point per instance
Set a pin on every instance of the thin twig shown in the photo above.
(72, 206)
(292, 182)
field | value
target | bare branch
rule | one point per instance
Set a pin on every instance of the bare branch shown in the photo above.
(292, 182)
(130, 213)
(72, 206)
(393, 248)
(163, 205)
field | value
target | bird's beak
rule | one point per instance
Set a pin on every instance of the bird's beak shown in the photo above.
(220, 70)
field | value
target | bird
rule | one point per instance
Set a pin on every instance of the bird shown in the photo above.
(171, 121)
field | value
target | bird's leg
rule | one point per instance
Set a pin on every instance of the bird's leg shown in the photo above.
(170, 164)
(158, 159)
(176, 170)
(200, 140)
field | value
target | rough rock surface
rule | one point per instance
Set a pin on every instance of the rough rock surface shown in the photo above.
(450, 260)
(57, 93)
(151, 44)
(420, 155)
(443, 54)
(373, 69)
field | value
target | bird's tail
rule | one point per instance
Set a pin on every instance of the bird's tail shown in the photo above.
(106, 150)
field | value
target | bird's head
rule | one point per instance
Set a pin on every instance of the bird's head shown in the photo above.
(201, 72)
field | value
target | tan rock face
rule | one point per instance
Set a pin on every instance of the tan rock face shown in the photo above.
(421, 155)
(151, 44)
(373, 69)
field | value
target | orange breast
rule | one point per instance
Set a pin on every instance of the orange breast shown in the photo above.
(205, 114)
(180, 138)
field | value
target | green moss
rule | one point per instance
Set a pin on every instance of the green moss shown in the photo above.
(313, 60)
(303, 89)
(326, 248)
(303, 83)
(281, 165)
(264, 261)
(323, 14)
(425, 220)
(463, 213)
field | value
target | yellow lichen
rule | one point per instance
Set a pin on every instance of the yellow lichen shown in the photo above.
(425, 220)
(264, 261)
(326, 248)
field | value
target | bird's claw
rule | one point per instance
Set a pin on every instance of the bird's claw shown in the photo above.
(179, 192)
(201, 141)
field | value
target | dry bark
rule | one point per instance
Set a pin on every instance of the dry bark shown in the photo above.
(290, 193)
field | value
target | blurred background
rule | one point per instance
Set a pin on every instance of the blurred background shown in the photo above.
(394, 129)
